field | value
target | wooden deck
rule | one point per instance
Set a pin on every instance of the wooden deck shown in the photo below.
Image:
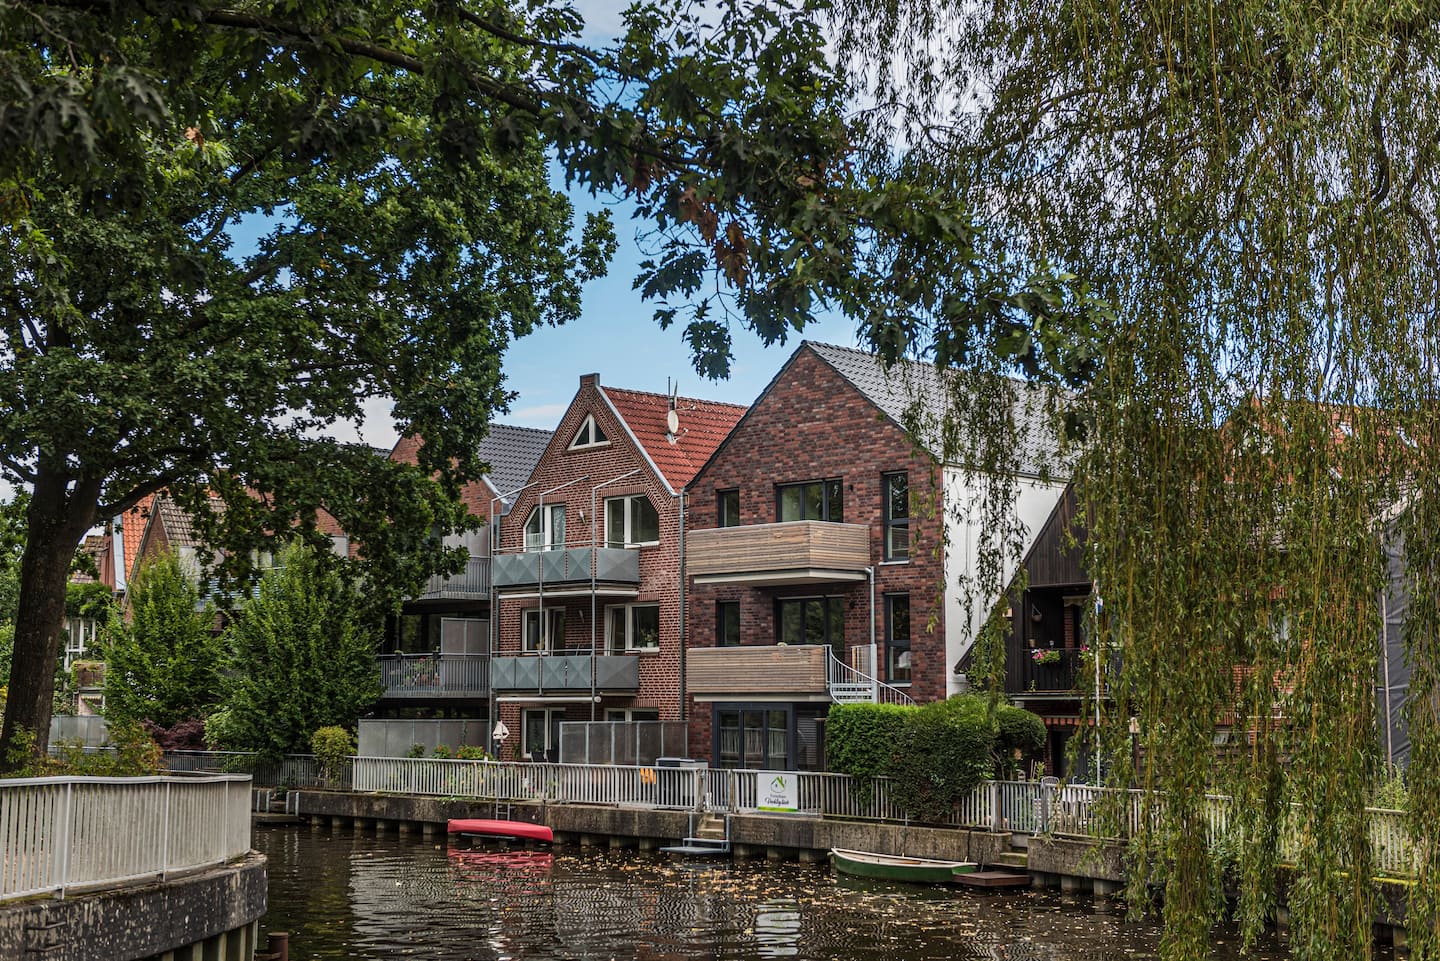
(993, 879)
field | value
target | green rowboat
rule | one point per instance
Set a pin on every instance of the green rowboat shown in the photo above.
(893, 867)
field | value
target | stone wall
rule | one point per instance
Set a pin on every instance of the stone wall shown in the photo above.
(143, 920)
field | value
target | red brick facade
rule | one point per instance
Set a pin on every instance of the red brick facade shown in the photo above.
(659, 670)
(810, 425)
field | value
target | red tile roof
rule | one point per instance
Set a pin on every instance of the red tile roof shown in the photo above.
(132, 529)
(704, 424)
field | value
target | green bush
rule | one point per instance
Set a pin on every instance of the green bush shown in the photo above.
(332, 747)
(1018, 733)
(859, 738)
(469, 752)
(416, 751)
(441, 751)
(942, 753)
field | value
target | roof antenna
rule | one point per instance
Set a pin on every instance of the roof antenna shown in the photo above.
(672, 416)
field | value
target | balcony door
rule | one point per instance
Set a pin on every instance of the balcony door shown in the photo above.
(757, 737)
(464, 635)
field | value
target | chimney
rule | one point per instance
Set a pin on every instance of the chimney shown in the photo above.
(589, 380)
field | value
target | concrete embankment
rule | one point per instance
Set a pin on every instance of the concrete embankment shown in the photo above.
(210, 914)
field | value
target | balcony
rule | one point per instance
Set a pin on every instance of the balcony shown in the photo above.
(566, 673)
(424, 676)
(795, 552)
(570, 567)
(472, 582)
(1056, 678)
(797, 672)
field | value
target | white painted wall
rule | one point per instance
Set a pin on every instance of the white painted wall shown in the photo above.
(963, 523)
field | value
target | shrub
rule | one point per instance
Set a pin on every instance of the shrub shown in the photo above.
(859, 738)
(943, 751)
(332, 747)
(416, 750)
(441, 751)
(469, 752)
(1017, 732)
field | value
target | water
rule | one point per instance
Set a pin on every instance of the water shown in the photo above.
(366, 898)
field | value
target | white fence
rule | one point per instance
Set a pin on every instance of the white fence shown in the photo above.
(64, 833)
(1021, 807)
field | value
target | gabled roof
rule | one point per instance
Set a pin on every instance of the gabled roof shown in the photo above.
(512, 453)
(898, 390)
(132, 529)
(704, 425)
(178, 524)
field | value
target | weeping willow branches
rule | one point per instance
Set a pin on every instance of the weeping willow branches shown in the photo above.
(1253, 187)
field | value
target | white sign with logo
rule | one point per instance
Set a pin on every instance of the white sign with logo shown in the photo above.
(777, 791)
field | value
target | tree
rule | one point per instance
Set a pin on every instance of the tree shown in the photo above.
(162, 656)
(300, 656)
(1254, 188)
(401, 156)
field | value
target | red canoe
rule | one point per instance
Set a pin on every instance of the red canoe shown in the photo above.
(501, 829)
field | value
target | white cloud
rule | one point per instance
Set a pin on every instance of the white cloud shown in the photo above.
(541, 415)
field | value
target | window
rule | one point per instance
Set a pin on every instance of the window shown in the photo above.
(540, 734)
(464, 635)
(589, 435)
(755, 737)
(727, 513)
(630, 521)
(811, 501)
(545, 528)
(632, 627)
(632, 714)
(552, 637)
(727, 624)
(895, 489)
(897, 638)
(811, 620)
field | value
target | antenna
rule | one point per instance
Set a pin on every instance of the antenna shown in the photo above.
(672, 416)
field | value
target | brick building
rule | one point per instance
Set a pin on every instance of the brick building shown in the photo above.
(587, 576)
(825, 551)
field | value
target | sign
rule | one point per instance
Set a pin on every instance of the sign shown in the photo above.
(777, 791)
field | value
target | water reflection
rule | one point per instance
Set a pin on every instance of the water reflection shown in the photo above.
(360, 897)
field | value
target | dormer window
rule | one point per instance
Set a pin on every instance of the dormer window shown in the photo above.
(589, 435)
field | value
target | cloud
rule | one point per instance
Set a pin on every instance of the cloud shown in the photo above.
(541, 415)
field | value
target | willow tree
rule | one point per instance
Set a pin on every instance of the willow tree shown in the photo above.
(1252, 187)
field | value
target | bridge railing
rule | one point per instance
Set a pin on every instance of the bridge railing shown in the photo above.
(61, 834)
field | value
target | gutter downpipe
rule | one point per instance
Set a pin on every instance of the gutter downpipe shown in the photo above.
(494, 625)
(683, 620)
(874, 652)
(594, 564)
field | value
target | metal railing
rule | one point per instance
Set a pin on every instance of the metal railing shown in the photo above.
(435, 675)
(473, 581)
(850, 684)
(61, 834)
(658, 787)
(291, 770)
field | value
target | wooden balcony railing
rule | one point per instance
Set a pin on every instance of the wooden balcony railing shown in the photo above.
(800, 670)
(791, 552)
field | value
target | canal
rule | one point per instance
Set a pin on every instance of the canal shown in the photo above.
(361, 897)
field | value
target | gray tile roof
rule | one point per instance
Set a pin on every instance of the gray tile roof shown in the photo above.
(916, 394)
(512, 453)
